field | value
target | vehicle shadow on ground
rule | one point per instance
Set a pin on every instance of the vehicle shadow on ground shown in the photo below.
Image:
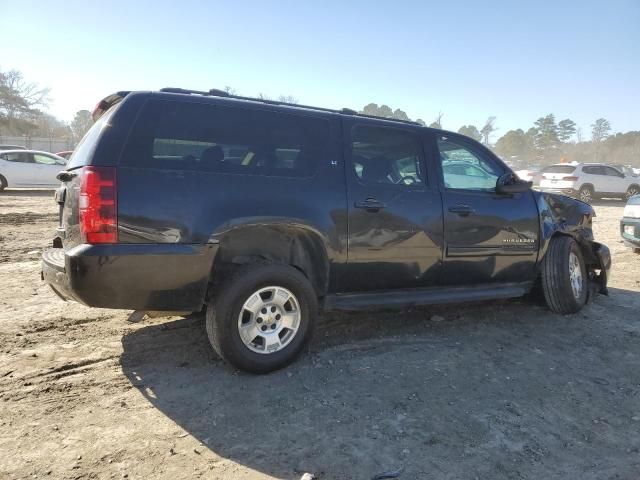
(12, 192)
(484, 389)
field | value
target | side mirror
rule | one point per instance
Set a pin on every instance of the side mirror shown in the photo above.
(509, 183)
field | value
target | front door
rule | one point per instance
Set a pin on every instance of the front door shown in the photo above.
(46, 169)
(394, 208)
(488, 237)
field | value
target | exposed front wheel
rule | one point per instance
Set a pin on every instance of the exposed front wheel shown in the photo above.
(262, 319)
(564, 276)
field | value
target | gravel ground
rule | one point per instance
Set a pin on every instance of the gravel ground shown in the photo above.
(496, 390)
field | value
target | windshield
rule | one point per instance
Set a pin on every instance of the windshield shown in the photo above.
(559, 169)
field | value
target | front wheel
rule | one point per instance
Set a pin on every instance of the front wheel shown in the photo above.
(564, 276)
(3, 183)
(263, 318)
(631, 191)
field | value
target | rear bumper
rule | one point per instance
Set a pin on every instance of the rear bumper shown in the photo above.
(630, 239)
(131, 276)
(569, 192)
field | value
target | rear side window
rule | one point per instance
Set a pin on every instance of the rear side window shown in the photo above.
(82, 154)
(382, 155)
(212, 138)
(593, 170)
(18, 157)
(559, 169)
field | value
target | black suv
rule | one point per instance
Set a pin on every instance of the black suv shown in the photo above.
(265, 212)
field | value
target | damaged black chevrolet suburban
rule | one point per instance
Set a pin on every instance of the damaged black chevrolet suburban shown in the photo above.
(264, 212)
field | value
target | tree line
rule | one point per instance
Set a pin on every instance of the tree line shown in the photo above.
(23, 104)
(546, 141)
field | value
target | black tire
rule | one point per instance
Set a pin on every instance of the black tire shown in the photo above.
(225, 307)
(585, 194)
(556, 283)
(3, 183)
(631, 191)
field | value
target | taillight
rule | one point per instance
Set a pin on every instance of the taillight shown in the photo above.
(98, 205)
(570, 179)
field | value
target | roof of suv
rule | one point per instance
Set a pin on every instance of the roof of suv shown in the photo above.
(221, 95)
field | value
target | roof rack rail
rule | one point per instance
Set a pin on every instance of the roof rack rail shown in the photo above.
(214, 92)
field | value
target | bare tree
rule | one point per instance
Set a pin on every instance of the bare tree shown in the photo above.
(437, 123)
(20, 100)
(287, 99)
(488, 129)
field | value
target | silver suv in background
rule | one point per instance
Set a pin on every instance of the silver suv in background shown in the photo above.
(586, 181)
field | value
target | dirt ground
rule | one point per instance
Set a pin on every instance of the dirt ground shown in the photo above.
(497, 390)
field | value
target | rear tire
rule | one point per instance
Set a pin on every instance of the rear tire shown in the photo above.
(585, 194)
(564, 276)
(252, 306)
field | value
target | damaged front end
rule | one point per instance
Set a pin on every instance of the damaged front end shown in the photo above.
(560, 215)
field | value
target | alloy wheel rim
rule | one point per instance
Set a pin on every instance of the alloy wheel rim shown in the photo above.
(269, 320)
(575, 275)
(585, 195)
(631, 192)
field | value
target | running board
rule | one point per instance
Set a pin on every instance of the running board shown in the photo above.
(426, 296)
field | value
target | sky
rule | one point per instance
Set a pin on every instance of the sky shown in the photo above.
(515, 60)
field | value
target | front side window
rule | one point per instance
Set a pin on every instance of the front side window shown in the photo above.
(387, 156)
(44, 160)
(214, 138)
(465, 168)
(612, 172)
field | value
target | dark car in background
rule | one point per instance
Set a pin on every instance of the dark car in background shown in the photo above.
(630, 223)
(264, 212)
(12, 147)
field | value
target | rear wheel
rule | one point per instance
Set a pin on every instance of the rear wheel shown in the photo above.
(262, 319)
(564, 276)
(3, 183)
(631, 191)
(585, 194)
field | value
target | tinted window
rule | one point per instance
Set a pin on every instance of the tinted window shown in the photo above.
(465, 167)
(213, 138)
(613, 172)
(386, 156)
(559, 169)
(18, 157)
(593, 170)
(82, 154)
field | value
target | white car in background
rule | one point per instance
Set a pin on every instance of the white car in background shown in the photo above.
(29, 168)
(586, 181)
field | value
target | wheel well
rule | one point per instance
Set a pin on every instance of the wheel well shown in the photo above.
(590, 185)
(298, 247)
(634, 185)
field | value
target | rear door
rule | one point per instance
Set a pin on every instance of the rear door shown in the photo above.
(488, 237)
(19, 168)
(394, 208)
